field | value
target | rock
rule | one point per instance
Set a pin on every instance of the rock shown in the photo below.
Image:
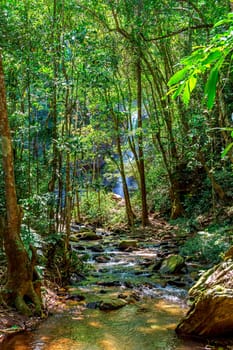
(93, 305)
(211, 312)
(172, 264)
(97, 249)
(112, 304)
(102, 259)
(75, 297)
(89, 236)
(128, 243)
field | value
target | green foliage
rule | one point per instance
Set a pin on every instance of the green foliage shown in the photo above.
(36, 212)
(210, 58)
(206, 246)
(100, 208)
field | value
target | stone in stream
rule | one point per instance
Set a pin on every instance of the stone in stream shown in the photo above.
(112, 304)
(128, 244)
(172, 264)
(102, 259)
(211, 312)
(89, 236)
(97, 248)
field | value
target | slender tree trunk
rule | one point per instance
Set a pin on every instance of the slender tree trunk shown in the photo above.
(141, 168)
(20, 269)
(129, 211)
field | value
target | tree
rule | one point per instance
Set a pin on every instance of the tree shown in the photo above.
(20, 268)
(215, 59)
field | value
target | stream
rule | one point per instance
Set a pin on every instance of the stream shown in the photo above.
(147, 322)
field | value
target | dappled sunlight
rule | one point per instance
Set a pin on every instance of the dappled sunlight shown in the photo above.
(109, 344)
(172, 309)
(64, 344)
(152, 320)
(95, 324)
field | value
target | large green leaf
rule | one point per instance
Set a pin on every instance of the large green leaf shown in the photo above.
(178, 76)
(211, 85)
(192, 83)
(186, 93)
(212, 57)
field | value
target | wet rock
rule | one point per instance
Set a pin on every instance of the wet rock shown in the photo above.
(127, 244)
(109, 283)
(102, 259)
(112, 304)
(211, 312)
(75, 297)
(97, 249)
(93, 305)
(89, 236)
(173, 263)
(177, 283)
(130, 297)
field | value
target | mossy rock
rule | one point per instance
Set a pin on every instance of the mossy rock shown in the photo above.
(173, 263)
(211, 312)
(112, 304)
(128, 243)
(89, 236)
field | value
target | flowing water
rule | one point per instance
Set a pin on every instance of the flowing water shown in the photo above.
(147, 324)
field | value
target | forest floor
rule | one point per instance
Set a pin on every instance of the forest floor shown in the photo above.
(11, 322)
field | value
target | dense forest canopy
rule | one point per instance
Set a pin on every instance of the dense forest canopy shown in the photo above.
(89, 106)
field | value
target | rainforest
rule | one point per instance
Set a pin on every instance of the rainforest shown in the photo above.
(116, 187)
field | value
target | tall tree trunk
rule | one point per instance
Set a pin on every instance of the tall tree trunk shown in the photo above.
(141, 167)
(20, 269)
(129, 211)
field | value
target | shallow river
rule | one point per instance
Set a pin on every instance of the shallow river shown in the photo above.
(148, 324)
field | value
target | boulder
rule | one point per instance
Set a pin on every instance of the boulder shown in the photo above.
(172, 264)
(112, 304)
(127, 244)
(211, 312)
(89, 236)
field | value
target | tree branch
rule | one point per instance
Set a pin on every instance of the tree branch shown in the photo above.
(201, 26)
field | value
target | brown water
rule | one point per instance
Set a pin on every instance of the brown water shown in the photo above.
(149, 325)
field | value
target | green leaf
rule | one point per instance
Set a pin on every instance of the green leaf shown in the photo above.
(186, 93)
(192, 83)
(210, 88)
(226, 150)
(178, 76)
(178, 91)
(212, 57)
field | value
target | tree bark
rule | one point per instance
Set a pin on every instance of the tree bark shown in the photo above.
(20, 269)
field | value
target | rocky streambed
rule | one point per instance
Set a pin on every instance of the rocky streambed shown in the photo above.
(133, 296)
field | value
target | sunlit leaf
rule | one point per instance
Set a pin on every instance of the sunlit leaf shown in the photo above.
(212, 57)
(178, 91)
(210, 88)
(226, 150)
(186, 94)
(178, 76)
(192, 83)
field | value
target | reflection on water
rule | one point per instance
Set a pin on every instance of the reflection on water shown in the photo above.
(145, 326)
